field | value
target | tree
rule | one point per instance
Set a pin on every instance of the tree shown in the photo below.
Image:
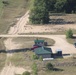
(49, 66)
(69, 33)
(59, 5)
(70, 6)
(34, 68)
(40, 12)
(51, 5)
(26, 73)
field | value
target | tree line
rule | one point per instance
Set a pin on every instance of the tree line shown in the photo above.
(67, 6)
(40, 11)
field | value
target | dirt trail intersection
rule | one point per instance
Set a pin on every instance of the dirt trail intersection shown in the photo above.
(60, 42)
(22, 27)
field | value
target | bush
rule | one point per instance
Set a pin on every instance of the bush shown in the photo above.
(40, 58)
(5, 3)
(49, 66)
(69, 33)
(34, 69)
(26, 73)
(35, 57)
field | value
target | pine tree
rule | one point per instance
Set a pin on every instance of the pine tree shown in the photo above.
(40, 12)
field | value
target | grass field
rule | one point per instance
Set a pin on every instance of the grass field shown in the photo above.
(17, 8)
(28, 42)
(2, 60)
(1, 8)
(2, 55)
(24, 59)
(14, 10)
(62, 18)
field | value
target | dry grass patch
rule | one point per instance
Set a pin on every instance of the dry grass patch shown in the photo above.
(2, 60)
(16, 8)
(2, 55)
(28, 42)
(22, 59)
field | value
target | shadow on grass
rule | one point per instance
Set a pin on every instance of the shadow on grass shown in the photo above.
(60, 21)
(57, 69)
(15, 50)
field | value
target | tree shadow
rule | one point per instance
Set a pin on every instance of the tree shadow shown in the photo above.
(60, 21)
(15, 50)
(57, 69)
(57, 14)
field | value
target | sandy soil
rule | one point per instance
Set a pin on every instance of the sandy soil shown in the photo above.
(23, 27)
(10, 45)
(60, 42)
(12, 70)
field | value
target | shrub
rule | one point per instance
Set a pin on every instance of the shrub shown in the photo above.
(49, 66)
(40, 58)
(69, 33)
(26, 73)
(34, 69)
(35, 57)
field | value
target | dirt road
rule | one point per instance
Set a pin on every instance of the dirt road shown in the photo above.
(9, 44)
(60, 42)
(12, 70)
(23, 27)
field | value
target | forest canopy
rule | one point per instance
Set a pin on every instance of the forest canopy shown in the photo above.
(40, 11)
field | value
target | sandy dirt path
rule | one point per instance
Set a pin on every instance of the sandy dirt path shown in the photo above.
(9, 44)
(10, 69)
(22, 27)
(60, 42)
